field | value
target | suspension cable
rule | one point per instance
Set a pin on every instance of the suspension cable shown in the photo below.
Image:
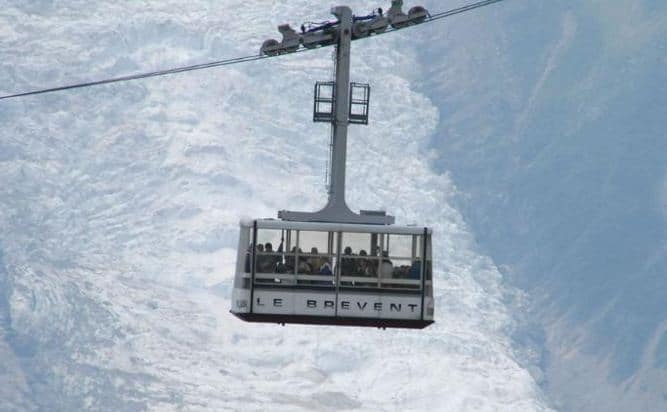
(432, 17)
(442, 15)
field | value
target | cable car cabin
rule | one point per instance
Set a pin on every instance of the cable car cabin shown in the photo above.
(334, 274)
(306, 268)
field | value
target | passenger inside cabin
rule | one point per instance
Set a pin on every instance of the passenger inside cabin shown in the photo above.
(271, 261)
(275, 260)
(290, 260)
(347, 263)
(402, 272)
(325, 269)
(264, 262)
(386, 267)
(415, 269)
(365, 267)
(314, 261)
(304, 267)
(258, 256)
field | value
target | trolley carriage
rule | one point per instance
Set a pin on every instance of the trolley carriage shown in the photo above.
(325, 34)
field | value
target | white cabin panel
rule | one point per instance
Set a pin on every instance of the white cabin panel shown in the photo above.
(240, 300)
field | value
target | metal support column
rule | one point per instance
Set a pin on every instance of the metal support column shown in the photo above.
(336, 209)
(342, 93)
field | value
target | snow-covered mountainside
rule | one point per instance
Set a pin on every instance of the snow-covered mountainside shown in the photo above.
(552, 125)
(119, 207)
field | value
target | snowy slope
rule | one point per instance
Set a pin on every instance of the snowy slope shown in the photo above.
(119, 206)
(552, 125)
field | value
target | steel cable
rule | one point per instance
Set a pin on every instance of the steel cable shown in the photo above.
(432, 17)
